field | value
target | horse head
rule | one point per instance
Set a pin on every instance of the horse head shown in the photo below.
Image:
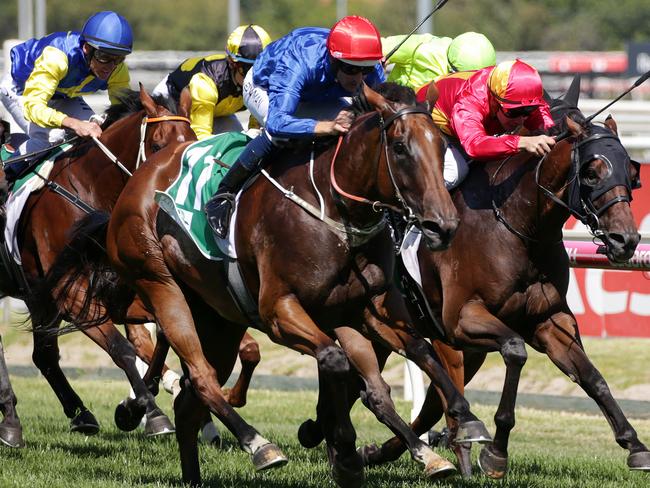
(140, 125)
(412, 153)
(600, 178)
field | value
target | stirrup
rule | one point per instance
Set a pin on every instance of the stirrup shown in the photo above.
(218, 210)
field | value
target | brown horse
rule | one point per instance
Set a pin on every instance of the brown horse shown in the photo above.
(503, 281)
(82, 180)
(313, 278)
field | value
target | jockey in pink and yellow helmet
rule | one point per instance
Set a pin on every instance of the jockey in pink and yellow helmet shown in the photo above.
(479, 110)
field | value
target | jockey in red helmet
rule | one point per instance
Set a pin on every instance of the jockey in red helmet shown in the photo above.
(478, 110)
(309, 70)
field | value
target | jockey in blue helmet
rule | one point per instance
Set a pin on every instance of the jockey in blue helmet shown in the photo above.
(49, 76)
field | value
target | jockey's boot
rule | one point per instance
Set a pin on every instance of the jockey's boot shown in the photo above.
(219, 207)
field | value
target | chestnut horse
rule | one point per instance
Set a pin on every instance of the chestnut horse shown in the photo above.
(315, 278)
(83, 179)
(503, 281)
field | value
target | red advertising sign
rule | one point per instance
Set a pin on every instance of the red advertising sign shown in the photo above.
(580, 62)
(609, 302)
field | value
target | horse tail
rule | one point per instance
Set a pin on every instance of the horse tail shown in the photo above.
(81, 284)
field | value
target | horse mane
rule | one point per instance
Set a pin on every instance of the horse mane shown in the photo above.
(129, 103)
(391, 91)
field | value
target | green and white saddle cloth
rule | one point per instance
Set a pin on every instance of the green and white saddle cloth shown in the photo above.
(203, 166)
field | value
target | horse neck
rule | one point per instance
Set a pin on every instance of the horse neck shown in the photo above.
(527, 208)
(99, 178)
(356, 170)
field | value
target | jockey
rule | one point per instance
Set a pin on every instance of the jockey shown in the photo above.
(215, 82)
(424, 57)
(477, 110)
(308, 66)
(50, 75)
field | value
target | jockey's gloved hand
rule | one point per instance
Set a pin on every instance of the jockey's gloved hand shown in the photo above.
(538, 145)
(82, 128)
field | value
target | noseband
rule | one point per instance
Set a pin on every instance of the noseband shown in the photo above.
(406, 211)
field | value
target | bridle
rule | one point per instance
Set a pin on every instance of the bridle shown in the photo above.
(580, 196)
(406, 211)
(141, 149)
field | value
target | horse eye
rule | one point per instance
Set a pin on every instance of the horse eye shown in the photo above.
(155, 147)
(589, 176)
(399, 148)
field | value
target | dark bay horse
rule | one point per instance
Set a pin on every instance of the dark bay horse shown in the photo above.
(315, 280)
(503, 281)
(81, 180)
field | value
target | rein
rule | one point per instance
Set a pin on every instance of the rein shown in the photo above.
(376, 205)
(141, 150)
(74, 199)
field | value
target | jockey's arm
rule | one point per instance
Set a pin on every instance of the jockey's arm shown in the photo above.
(467, 120)
(285, 87)
(49, 69)
(406, 52)
(205, 96)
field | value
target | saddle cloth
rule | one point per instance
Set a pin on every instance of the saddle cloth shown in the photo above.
(203, 166)
(22, 188)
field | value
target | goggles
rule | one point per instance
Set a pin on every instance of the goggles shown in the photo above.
(103, 57)
(351, 69)
(515, 113)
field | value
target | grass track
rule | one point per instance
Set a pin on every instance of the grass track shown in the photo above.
(548, 449)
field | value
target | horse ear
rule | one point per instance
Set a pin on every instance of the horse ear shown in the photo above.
(147, 102)
(573, 93)
(432, 94)
(185, 105)
(574, 127)
(610, 123)
(375, 99)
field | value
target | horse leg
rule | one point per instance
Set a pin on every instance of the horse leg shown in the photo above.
(189, 412)
(376, 397)
(130, 411)
(388, 322)
(46, 358)
(11, 432)
(478, 328)
(173, 315)
(291, 326)
(558, 337)
(249, 356)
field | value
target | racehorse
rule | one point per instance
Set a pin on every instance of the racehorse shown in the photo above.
(81, 180)
(503, 281)
(314, 278)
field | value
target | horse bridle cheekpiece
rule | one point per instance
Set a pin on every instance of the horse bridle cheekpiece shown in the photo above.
(602, 144)
(406, 211)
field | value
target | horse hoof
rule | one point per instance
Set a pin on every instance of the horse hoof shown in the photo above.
(639, 461)
(309, 434)
(439, 439)
(210, 435)
(127, 419)
(349, 476)
(269, 456)
(493, 466)
(11, 436)
(472, 431)
(158, 424)
(84, 423)
(436, 467)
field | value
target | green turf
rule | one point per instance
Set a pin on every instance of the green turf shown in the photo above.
(548, 449)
